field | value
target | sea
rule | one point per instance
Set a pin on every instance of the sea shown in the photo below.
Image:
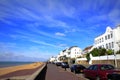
(9, 64)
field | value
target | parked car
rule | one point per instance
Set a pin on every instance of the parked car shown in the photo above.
(76, 68)
(58, 63)
(64, 65)
(99, 71)
(114, 76)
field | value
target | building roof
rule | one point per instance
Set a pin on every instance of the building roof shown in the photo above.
(88, 48)
(72, 47)
(64, 50)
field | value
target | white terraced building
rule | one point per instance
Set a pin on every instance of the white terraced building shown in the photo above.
(74, 52)
(52, 59)
(109, 40)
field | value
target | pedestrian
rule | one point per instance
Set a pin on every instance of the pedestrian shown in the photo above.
(65, 68)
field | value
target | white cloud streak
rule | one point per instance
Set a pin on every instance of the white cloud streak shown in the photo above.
(32, 38)
(59, 34)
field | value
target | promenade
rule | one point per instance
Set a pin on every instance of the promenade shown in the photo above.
(56, 73)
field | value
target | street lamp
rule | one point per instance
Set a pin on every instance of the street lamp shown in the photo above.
(115, 59)
(118, 42)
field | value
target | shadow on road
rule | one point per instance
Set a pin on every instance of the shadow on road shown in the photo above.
(42, 74)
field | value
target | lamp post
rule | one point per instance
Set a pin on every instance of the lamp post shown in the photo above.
(115, 59)
(118, 43)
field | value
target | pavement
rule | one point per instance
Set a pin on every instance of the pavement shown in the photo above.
(57, 73)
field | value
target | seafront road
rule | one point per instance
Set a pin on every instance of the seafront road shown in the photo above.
(57, 73)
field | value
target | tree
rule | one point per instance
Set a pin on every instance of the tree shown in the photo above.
(95, 52)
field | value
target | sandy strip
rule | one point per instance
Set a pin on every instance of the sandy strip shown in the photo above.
(7, 70)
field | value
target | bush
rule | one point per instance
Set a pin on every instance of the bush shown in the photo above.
(118, 52)
(95, 52)
(102, 51)
(109, 52)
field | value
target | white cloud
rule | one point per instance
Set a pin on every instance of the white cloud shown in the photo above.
(114, 16)
(63, 45)
(71, 30)
(59, 34)
(7, 22)
(55, 22)
(26, 35)
(43, 43)
(6, 46)
(31, 53)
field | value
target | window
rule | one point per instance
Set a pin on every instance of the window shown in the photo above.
(108, 36)
(98, 41)
(111, 35)
(105, 37)
(109, 45)
(106, 46)
(112, 45)
(102, 40)
(106, 67)
(103, 46)
(91, 67)
(95, 67)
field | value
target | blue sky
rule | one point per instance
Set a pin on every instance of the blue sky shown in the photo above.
(32, 30)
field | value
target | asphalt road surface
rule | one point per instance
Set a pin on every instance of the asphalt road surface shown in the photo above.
(56, 73)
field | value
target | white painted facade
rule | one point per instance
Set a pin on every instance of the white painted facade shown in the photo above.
(67, 52)
(109, 39)
(72, 52)
(75, 52)
(52, 59)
